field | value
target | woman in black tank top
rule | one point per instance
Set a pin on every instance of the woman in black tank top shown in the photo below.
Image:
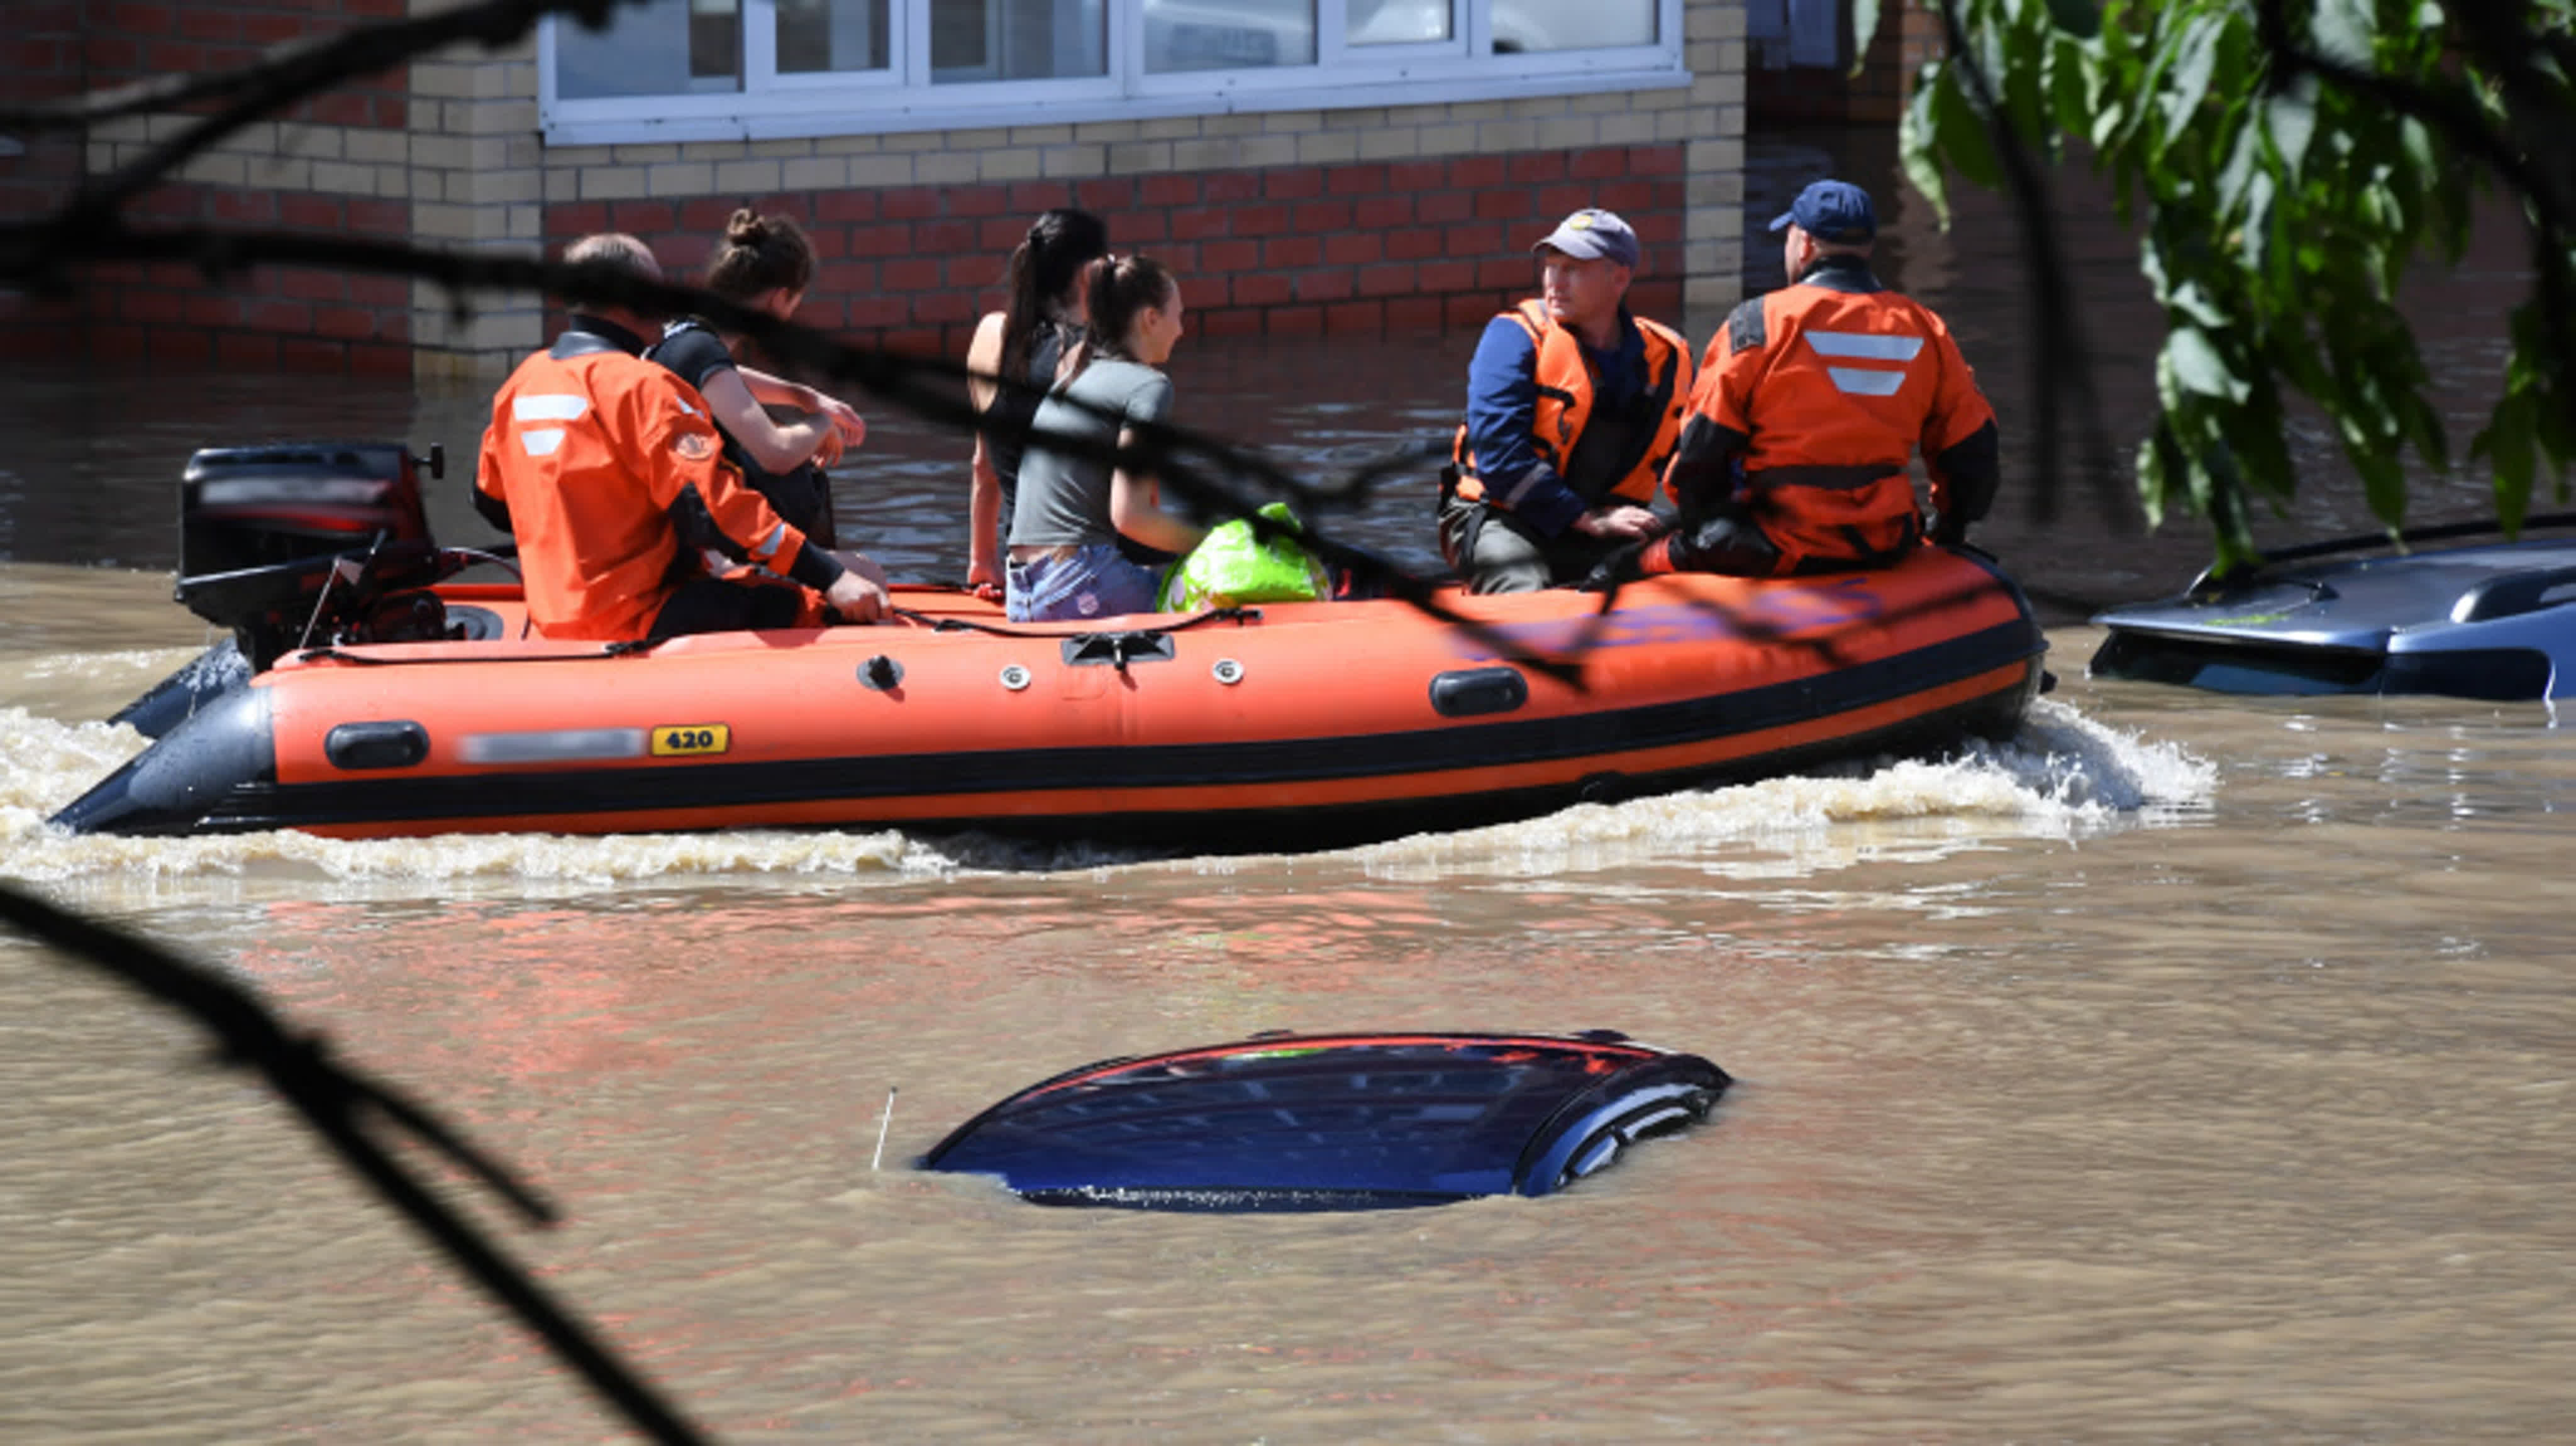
(1026, 343)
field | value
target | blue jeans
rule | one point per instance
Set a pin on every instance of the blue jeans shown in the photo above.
(1096, 582)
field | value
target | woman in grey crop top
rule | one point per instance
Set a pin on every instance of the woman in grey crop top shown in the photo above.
(1072, 509)
(1025, 343)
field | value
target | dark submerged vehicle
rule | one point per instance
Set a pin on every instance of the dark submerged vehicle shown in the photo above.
(1334, 1122)
(2489, 622)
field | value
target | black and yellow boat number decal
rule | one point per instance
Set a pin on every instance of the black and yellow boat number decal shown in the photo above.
(681, 740)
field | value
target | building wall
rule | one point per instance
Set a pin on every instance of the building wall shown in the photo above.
(1872, 94)
(1290, 223)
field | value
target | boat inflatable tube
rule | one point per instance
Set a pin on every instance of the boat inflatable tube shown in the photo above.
(1334, 1122)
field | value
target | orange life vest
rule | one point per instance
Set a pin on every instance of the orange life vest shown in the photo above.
(593, 453)
(1631, 467)
(1834, 381)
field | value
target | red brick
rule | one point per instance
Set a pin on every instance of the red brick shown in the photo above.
(1200, 222)
(1207, 291)
(976, 200)
(1599, 163)
(577, 218)
(1035, 196)
(1437, 276)
(259, 27)
(1414, 243)
(910, 273)
(307, 285)
(999, 233)
(1233, 321)
(1317, 216)
(947, 235)
(1167, 191)
(309, 212)
(830, 243)
(1482, 238)
(1506, 271)
(1281, 252)
(206, 22)
(1531, 167)
(304, 354)
(1654, 160)
(1365, 180)
(179, 346)
(1355, 316)
(150, 306)
(381, 291)
(916, 341)
(1353, 248)
(247, 351)
(352, 323)
(1268, 219)
(1503, 205)
(944, 307)
(704, 215)
(1440, 207)
(1657, 296)
(271, 314)
(1261, 288)
(912, 203)
(1232, 186)
(1467, 311)
(1294, 321)
(1475, 173)
(1413, 313)
(336, 109)
(1414, 177)
(1377, 213)
(839, 208)
(211, 309)
(135, 18)
(243, 208)
(1181, 257)
(1106, 194)
(380, 359)
(1392, 279)
(1625, 196)
(893, 239)
(1657, 228)
(1292, 183)
(1324, 286)
(644, 217)
(1229, 256)
(1143, 228)
(1548, 203)
(113, 54)
(874, 309)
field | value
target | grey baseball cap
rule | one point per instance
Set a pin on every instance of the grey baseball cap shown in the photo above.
(1593, 234)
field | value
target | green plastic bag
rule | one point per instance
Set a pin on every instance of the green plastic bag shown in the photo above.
(1234, 565)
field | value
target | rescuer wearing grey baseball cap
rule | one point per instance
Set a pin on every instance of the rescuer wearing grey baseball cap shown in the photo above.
(1573, 404)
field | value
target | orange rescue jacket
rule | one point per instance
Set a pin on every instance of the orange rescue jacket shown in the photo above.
(598, 460)
(1825, 388)
(1565, 399)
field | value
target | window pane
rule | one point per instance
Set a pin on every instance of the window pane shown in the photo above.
(1017, 39)
(1398, 22)
(1521, 25)
(1229, 34)
(827, 35)
(661, 47)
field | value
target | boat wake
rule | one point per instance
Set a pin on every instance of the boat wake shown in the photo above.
(2063, 775)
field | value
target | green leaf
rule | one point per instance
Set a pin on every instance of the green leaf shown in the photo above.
(2507, 445)
(2342, 30)
(1963, 138)
(2199, 366)
(2192, 301)
(2194, 60)
(2290, 116)
(1917, 135)
(1864, 19)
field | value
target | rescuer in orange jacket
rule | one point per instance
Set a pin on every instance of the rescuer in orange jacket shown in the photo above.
(1810, 403)
(1573, 408)
(610, 474)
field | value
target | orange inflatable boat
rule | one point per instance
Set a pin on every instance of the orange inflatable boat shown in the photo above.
(1280, 726)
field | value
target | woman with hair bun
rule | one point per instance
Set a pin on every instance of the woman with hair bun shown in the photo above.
(1027, 343)
(1073, 509)
(765, 263)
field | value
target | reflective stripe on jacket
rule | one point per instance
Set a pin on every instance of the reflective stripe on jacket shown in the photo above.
(1627, 455)
(599, 460)
(1825, 388)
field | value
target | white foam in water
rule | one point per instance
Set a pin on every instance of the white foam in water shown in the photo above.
(2062, 775)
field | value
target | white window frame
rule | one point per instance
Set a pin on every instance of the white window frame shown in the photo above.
(771, 106)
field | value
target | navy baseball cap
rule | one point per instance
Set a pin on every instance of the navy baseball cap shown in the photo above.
(1835, 211)
(1591, 234)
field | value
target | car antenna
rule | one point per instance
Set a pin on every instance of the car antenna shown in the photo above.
(884, 1121)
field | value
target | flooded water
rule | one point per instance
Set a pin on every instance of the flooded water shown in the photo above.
(2186, 1069)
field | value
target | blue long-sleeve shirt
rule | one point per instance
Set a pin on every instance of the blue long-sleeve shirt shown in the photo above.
(1502, 407)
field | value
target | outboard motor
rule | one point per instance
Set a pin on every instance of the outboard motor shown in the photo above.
(299, 543)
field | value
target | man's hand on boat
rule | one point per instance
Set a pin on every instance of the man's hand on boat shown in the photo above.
(856, 598)
(1619, 520)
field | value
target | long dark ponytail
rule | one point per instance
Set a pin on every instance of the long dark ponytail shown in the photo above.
(1043, 268)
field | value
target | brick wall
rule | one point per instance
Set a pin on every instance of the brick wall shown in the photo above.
(1289, 250)
(1283, 223)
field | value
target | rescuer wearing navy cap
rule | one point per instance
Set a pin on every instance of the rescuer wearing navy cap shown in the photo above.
(1810, 404)
(1573, 409)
